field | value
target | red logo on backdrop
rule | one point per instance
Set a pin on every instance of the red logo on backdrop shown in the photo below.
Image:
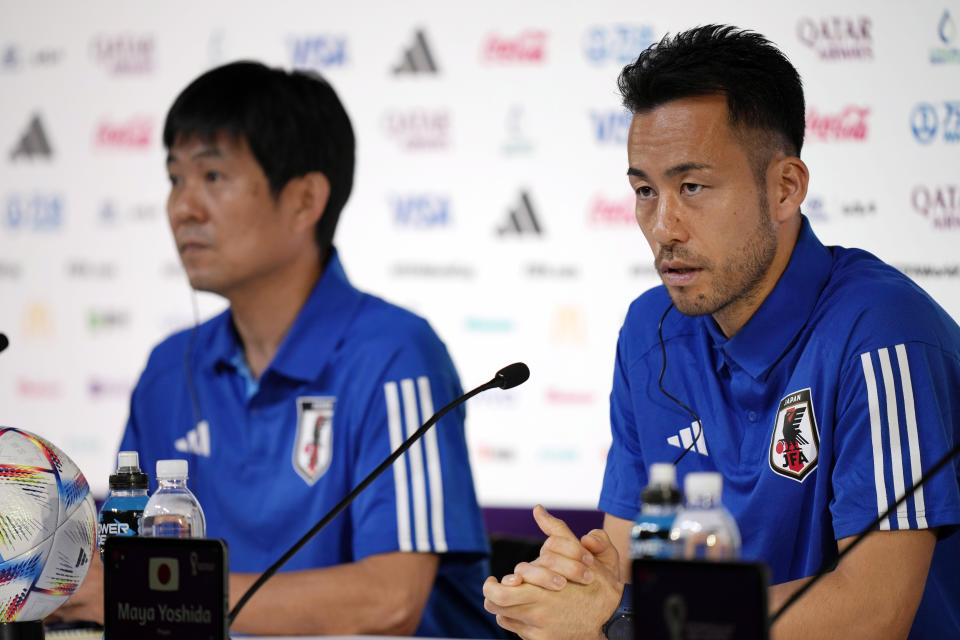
(848, 124)
(610, 213)
(938, 203)
(132, 134)
(838, 37)
(795, 443)
(123, 54)
(31, 388)
(419, 129)
(528, 47)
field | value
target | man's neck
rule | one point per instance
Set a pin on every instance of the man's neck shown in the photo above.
(264, 311)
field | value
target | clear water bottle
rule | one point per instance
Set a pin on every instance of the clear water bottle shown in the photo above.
(704, 529)
(121, 513)
(660, 502)
(173, 511)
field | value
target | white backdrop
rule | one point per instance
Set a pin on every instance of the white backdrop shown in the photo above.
(490, 195)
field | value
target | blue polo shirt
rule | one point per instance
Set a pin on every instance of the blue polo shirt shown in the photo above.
(838, 393)
(352, 379)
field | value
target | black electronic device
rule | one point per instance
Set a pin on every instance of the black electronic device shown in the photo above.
(163, 588)
(684, 599)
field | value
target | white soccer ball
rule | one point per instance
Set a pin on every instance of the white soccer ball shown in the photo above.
(47, 526)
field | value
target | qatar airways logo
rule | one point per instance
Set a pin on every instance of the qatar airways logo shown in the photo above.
(419, 129)
(612, 212)
(529, 47)
(848, 124)
(134, 134)
(940, 204)
(124, 54)
(838, 37)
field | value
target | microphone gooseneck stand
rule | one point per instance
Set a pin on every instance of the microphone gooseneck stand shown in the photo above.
(508, 377)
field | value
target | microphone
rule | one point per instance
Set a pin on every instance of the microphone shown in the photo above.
(507, 378)
(4, 343)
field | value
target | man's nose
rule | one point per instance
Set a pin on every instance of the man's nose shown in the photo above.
(183, 204)
(669, 225)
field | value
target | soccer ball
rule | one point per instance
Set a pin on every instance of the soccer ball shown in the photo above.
(47, 526)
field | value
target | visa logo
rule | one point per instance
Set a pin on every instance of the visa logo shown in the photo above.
(422, 211)
(317, 52)
(610, 127)
(37, 212)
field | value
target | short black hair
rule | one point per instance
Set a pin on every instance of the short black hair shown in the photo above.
(763, 89)
(293, 122)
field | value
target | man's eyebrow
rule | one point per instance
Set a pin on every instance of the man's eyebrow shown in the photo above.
(672, 171)
(207, 152)
(685, 167)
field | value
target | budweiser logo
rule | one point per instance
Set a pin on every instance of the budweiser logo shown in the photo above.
(849, 124)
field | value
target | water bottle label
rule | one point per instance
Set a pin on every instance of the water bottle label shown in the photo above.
(119, 523)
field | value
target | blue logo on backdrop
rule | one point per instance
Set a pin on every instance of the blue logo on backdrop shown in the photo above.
(422, 211)
(616, 43)
(928, 122)
(35, 212)
(10, 57)
(318, 52)
(611, 127)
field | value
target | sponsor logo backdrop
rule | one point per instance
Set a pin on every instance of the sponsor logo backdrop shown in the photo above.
(490, 196)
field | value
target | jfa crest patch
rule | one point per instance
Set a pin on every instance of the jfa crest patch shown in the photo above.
(313, 446)
(795, 444)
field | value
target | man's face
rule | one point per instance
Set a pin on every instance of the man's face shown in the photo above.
(230, 231)
(700, 208)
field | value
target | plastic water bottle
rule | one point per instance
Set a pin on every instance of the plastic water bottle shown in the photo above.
(704, 529)
(173, 511)
(121, 513)
(660, 502)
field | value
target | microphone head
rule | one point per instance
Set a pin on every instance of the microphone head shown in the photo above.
(512, 375)
(4, 343)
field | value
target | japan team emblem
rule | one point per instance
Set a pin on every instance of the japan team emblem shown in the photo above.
(313, 446)
(795, 444)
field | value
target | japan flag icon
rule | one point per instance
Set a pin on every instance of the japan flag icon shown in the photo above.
(164, 574)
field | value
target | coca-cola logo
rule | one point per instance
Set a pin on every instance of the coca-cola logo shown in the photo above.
(838, 37)
(133, 134)
(609, 212)
(939, 204)
(848, 124)
(528, 47)
(36, 388)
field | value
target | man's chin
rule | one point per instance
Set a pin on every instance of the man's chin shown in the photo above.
(690, 304)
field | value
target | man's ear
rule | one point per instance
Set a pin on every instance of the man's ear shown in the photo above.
(308, 196)
(787, 182)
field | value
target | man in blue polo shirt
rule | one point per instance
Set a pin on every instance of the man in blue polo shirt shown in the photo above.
(826, 382)
(286, 401)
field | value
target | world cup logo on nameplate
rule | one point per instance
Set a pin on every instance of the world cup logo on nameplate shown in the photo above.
(795, 443)
(313, 446)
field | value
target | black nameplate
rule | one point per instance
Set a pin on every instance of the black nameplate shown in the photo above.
(680, 600)
(165, 588)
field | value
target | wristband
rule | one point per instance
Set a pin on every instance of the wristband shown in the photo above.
(620, 624)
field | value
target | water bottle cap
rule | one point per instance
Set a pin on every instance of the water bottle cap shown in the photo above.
(171, 469)
(128, 476)
(698, 485)
(128, 460)
(663, 473)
